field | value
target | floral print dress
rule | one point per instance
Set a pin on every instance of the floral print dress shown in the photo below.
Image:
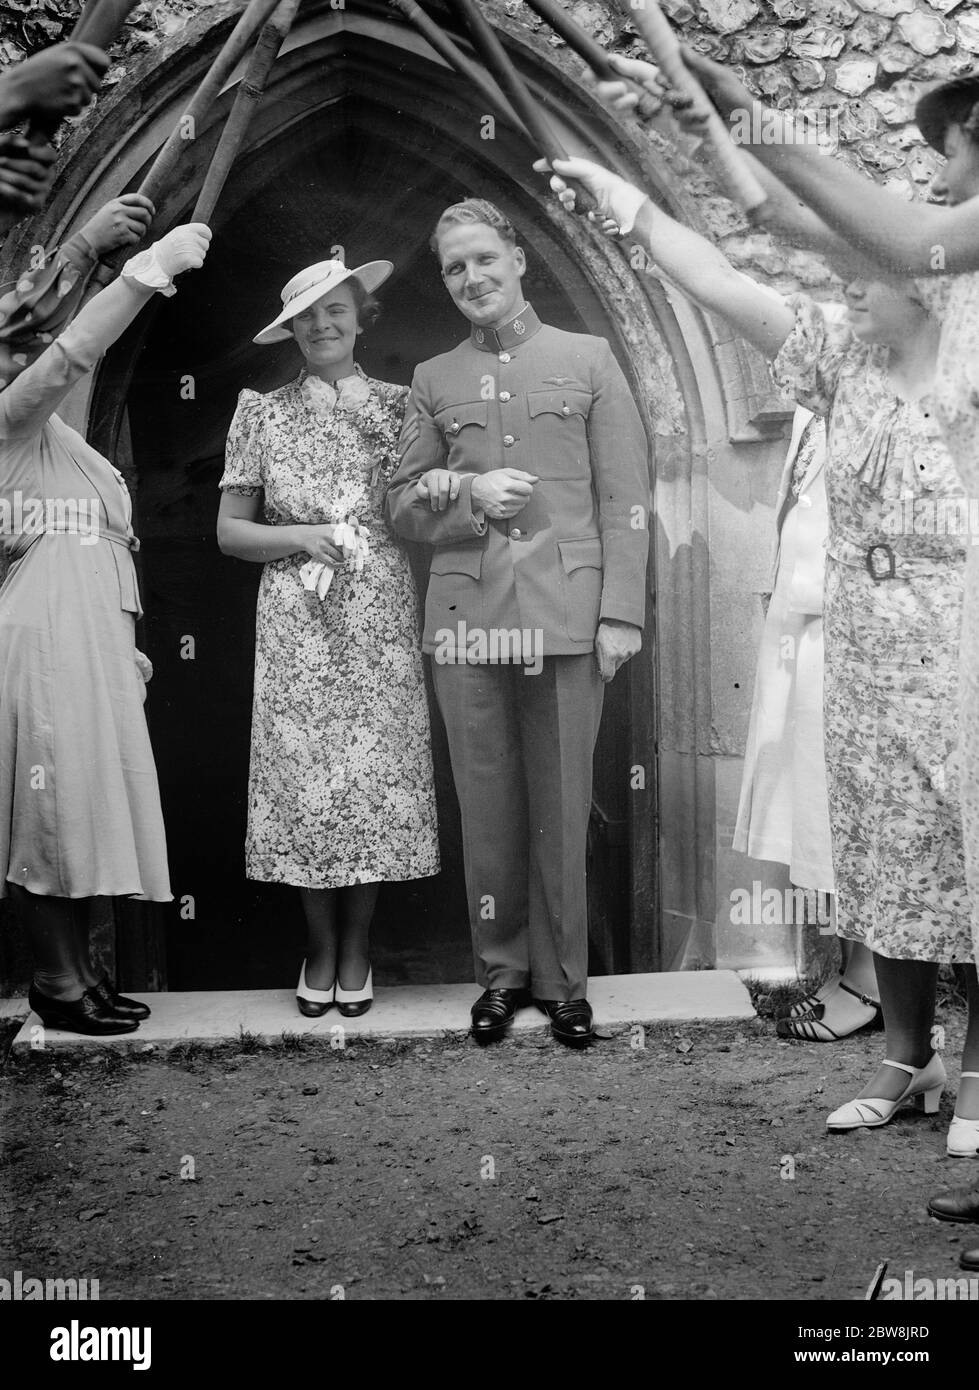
(957, 403)
(341, 789)
(891, 678)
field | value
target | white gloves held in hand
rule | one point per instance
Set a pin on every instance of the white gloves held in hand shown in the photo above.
(353, 540)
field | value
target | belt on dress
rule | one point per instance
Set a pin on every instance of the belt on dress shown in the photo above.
(127, 542)
(882, 561)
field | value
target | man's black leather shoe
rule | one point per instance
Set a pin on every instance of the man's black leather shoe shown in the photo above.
(969, 1259)
(961, 1204)
(571, 1021)
(493, 1013)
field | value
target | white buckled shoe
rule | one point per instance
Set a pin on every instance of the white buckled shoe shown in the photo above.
(870, 1112)
(313, 1003)
(963, 1135)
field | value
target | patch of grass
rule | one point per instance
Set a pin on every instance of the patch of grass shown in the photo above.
(249, 1042)
(297, 1042)
(952, 989)
(771, 998)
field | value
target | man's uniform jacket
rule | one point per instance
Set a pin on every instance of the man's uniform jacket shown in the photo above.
(555, 405)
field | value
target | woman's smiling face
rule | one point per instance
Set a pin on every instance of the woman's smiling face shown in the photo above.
(327, 333)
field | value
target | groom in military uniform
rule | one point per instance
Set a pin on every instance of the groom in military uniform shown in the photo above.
(524, 462)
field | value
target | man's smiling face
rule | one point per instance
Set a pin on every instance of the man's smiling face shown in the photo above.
(481, 272)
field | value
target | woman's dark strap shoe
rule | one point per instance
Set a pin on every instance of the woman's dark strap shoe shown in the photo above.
(961, 1204)
(114, 1002)
(571, 1020)
(814, 1028)
(85, 1015)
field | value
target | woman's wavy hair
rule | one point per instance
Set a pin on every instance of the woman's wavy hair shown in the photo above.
(368, 308)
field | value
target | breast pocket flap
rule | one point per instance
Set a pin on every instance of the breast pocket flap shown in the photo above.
(564, 401)
(453, 419)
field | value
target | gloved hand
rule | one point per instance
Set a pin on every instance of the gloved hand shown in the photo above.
(617, 199)
(182, 249)
(122, 222)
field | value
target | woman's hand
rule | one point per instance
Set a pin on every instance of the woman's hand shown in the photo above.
(623, 96)
(183, 249)
(26, 173)
(722, 85)
(318, 543)
(618, 201)
(122, 222)
(58, 81)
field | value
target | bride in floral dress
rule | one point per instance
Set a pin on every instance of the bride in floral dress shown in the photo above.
(341, 793)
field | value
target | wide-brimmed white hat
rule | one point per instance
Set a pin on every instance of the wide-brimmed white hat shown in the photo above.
(312, 283)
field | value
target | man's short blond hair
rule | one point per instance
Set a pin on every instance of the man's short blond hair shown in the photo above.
(471, 211)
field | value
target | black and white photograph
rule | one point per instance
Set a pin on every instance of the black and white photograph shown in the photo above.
(489, 667)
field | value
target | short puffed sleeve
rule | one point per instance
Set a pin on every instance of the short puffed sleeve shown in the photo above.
(243, 452)
(809, 362)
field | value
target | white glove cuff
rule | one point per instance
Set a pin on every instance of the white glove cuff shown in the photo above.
(147, 270)
(624, 203)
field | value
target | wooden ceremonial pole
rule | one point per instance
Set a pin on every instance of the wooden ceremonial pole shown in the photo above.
(162, 169)
(733, 172)
(235, 46)
(247, 99)
(101, 20)
(455, 57)
(494, 55)
(585, 46)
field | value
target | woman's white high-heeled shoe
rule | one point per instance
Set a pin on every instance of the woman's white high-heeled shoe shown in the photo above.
(870, 1112)
(354, 1002)
(963, 1135)
(313, 1003)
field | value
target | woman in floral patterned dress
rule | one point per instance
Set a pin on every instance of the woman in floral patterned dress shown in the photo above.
(925, 239)
(341, 791)
(892, 615)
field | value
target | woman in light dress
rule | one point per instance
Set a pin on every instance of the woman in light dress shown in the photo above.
(80, 809)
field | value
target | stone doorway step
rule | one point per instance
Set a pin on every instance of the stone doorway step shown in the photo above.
(407, 1011)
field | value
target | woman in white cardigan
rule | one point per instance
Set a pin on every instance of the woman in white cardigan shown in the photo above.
(783, 815)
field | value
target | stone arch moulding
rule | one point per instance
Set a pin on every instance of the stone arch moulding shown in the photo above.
(694, 391)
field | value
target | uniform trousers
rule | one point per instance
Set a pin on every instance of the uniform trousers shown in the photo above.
(521, 745)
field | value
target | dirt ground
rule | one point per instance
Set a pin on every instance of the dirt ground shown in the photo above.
(689, 1162)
